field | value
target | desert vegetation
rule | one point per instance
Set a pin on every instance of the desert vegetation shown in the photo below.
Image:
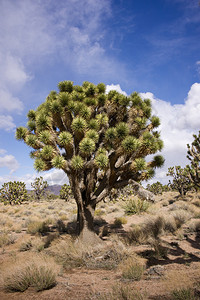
(104, 236)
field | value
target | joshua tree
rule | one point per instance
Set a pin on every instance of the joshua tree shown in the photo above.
(194, 157)
(99, 140)
(181, 181)
(156, 188)
(13, 193)
(39, 186)
(65, 192)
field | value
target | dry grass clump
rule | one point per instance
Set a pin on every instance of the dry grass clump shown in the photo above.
(183, 294)
(118, 222)
(39, 273)
(75, 254)
(181, 217)
(133, 268)
(120, 292)
(6, 239)
(37, 227)
(176, 281)
(136, 235)
(170, 224)
(194, 226)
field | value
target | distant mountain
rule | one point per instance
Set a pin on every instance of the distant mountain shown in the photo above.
(54, 189)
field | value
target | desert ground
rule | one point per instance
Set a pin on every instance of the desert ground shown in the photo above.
(148, 250)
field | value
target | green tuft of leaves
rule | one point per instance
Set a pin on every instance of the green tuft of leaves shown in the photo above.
(58, 162)
(65, 86)
(94, 124)
(130, 144)
(31, 140)
(39, 165)
(42, 121)
(101, 160)
(21, 133)
(64, 98)
(111, 134)
(78, 124)
(122, 130)
(101, 88)
(47, 152)
(155, 121)
(140, 164)
(158, 161)
(31, 115)
(65, 138)
(87, 146)
(45, 137)
(77, 162)
(31, 125)
(92, 134)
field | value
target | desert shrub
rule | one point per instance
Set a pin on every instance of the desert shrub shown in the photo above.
(136, 235)
(13, 193)
(39, 275)
(133, 269)
(154, 227)
(118, 222)
(170, 224)
(181, 217)
(71, 255)
(37, 227)
(121, 292)
(183, 294)
(25, 246)
(135, 206)
(194, 226)
(6, 239)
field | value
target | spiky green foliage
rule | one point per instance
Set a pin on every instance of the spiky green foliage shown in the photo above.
(181, 181)
(39, 187)
(99, 140)
(13, 192)
(65, 192)
(157, 188)
(194, 157)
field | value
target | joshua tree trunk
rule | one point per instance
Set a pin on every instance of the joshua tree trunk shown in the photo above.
(85, 223)
(85, 214)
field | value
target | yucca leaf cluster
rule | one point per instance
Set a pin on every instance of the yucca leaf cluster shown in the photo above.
(13, 193)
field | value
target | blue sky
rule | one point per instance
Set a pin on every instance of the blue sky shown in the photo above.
(152, 47)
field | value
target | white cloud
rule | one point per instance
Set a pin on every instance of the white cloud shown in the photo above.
(6, 122)
(115, 87)
(55, 177)
(52, 177)
(9, 103)
(10, 162)
(178, 124)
